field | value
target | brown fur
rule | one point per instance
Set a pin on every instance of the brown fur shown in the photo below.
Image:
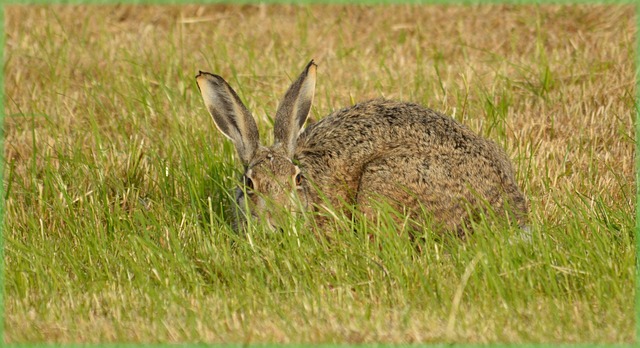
(413, 157)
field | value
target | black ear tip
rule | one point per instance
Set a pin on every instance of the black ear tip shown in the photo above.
(209, 76)
(311, 63)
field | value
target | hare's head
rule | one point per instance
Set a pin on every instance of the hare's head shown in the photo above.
(272, 183)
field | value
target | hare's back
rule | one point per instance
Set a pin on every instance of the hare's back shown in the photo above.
(345, 142)
(380, 126)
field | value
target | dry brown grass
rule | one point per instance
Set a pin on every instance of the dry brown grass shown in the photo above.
(480, 52)
(553, 84)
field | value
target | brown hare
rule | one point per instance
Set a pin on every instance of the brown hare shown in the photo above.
(417, 159)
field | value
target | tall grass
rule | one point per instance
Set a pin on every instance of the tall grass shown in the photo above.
(118, 186)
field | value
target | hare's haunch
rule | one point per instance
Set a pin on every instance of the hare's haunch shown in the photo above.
(417, 159)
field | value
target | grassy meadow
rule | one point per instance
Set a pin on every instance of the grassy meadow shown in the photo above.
(117, 183)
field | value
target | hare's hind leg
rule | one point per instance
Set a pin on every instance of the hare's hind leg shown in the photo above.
(444, 191)
(412, 186)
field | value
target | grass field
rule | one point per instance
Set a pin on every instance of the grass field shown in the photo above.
(116, 181)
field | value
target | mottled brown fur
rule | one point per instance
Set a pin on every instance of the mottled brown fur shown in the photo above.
(410, 154)
(416, 159)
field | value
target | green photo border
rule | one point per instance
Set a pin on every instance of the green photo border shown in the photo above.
(368, 2)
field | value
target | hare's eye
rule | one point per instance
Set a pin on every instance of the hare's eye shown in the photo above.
(248, 183)
(299, 179)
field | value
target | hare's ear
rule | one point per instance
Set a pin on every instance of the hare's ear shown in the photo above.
(229, 114)
(294, 109)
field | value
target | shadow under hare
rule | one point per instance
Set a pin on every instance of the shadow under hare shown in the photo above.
(416, 159)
